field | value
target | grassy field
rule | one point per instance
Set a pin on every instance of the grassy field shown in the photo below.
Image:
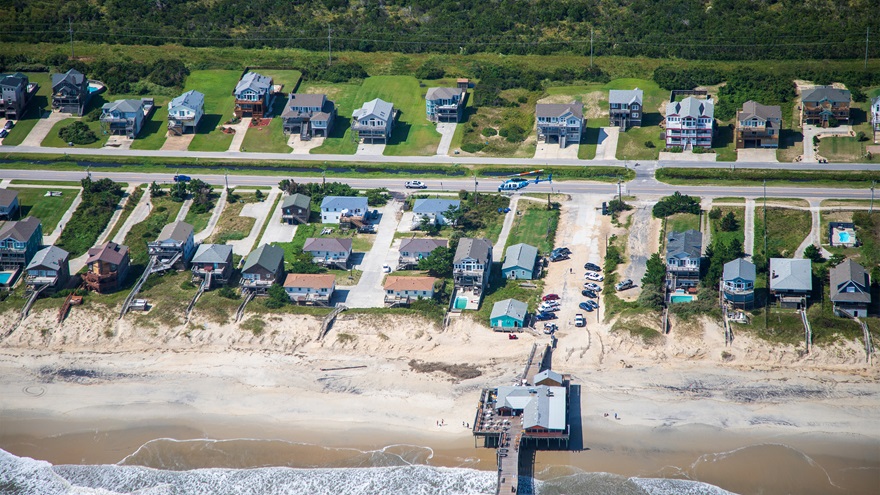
(786, 230)
(345, 96)
(536, 226)
(231, 226)
(217, 86)
(520, 112)
(782, 326)
(754, 177)
(152, 136)
(34, 111)
(52, 139)
(723, 237)
(169, 294)
(844, 149)
(130, 203)
(681, 222)
(413, 134)
(587, 149)
(34, 203)
(631, 144)
(723, 143)
(163, 212)
(200, 220)
(266, 139)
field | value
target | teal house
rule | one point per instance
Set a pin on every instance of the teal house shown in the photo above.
(508, 314)
(519, 262)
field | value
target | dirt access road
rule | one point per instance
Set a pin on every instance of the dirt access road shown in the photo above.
(644, 240)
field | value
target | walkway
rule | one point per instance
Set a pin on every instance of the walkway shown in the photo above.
(184, 209)
(606, 149)
(446, 130)
(49, 239)
(79, 262)
(259, 211)
(139, 214)
(749, 242)
(498, 248)
(276, 230)
(240, 131)
(215, 217)
(42, 128)
(815, 235)
(706, 223)
(368, 293)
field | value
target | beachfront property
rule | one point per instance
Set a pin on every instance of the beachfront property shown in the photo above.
(309, 115)
(508, 315)
(543, 409)
(875, 114)
(310, 289)
(625, 108)
(185, 112)
(212, 264)
(125, 117)
(842, 234)
(329, 251)
(549, 378)
(850, 289)
(402, 291)
(16, 91)
(413, 249)
(519, 262)
(738, 283)
(19, 242)
(263, 267)
(758, 126)
(683, 257)
(253, 95)
(825, 105)
(175, 246)
(791, 281)
(445, 104)
(48, 270)
(560, 123)
(295, 209)
(690, 123)
(432, 211)
(472, 265)
(374, 121)
(8, 203)
(70, 92)
(106, 267)
(335, 208)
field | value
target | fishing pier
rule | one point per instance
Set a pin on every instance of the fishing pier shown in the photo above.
(520, 419)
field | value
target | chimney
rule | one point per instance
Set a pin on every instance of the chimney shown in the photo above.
(773, 274)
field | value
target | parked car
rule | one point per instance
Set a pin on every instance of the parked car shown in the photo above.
(589, 293)
(595, 277)
(548, 308)
(592, 304)
(579, 320)
(3, 133)
(561, 250)
(586, 307)
(415, 184)
(182, 178)
(593, 287)
(549, 328)
(550, 297)
(9, 125)
(592, 267)
(543, 315)
(626, 284)
(558, 257)
(386, 269)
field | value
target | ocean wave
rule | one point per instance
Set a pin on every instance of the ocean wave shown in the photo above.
(25, 476)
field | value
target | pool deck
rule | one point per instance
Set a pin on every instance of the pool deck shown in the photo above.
(473, 302)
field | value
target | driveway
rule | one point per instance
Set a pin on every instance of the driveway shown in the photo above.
(177, 143)
(368, 293)
(446, 130)
(498, 248)
(687, 156)
(301, 147)
(606, 148)
(370, 149)
(240, 130)
(552, 151)
(259, 211)
(749, 243)
(276, 230)
(642, 243)
(42, 128)
(756, 155)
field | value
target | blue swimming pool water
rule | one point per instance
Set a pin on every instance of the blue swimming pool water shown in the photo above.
(681, 299)
(843, 237)
(5, 277)
(460, 302)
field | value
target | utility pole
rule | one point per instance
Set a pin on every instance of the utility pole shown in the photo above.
(867, 36)
(476, 197)
(619, 195)
(70, 28)
(329, 47)
(591, 48)
(226, 176)
(871, 209)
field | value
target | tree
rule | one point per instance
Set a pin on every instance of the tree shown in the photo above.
(429, 227)
(729, 223)
(813, 253)
(155, 190)
(77, 133)
(656, 271)
(453, 214)
(677, 203)
(715, 213)
(651, 297)
(277, 297)
(302, 263)
(438, 263)
(377, 196)
(178, 192)
(288, 186)
(258, 195)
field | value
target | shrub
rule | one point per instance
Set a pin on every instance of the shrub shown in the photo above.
(813, 253)
(860, 136)
(832, 122)
(489, 132)
(99, 200)
(277, 297)
(617, 206)
(816, 140)
(431, 69)
(227, 292)
(677, 203)
(77, 133)
(472, 147)
(649, 144)
(715, 213)
(93, 115)
(513, 133)
(729, 223)
(378, 196)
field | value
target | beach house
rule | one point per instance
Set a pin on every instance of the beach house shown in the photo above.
(875, 114)
(560, 124)
(402, 291)
(19, 242)
(106, 267)
(125, 117)
(310, 289)
(432, 211)
(295, 209)
(329, 251)
(850, 289)
(413, 249)
(519, 262)
(683, 257)
(690, 123)
(212, 265)
(263, 267)
(445, 104)
(738, 283)
(374, 121)
(825, 105)
(253, 95)
(175, 246)
(309, 115)
(185, 112)
(625, 108)
(508, 314)
(758, 126)
(472, 265)
(48, 268)
(70, 92)
(16, 91)
(791, 281)
(549, 378)
(333, 208)
(8, 203)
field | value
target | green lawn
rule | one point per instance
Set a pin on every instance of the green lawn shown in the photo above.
(786, 230)
(631, 144)
(162, 212)
(681, 222)
(34, 203)
(34, 111)
(844, 149)
(232, 226)
(723, 237)
(345, 96)
(413, 134)
(152, 136)
(266, 139)
(536, 226)
(200, 220)
(290, 79)
(587, 149)
(217, 86)
(724, 144)
(52, 140)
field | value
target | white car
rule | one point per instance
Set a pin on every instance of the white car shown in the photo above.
(595, 277)
(593, 287)
(415, 184)
(548, 307)
(386, 269)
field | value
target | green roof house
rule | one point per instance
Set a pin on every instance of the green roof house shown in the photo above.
(508, 314)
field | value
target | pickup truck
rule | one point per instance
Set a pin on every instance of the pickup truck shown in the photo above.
(579, 320)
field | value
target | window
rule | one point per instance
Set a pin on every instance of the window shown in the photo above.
(635, 115)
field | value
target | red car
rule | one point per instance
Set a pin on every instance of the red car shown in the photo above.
(550, 297)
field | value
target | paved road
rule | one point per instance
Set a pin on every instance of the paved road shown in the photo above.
(749, 244)
(498, 249)
(368, 293)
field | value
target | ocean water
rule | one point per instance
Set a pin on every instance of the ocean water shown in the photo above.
(25, 476)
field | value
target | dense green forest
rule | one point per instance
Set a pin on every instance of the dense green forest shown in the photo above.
(691, 29)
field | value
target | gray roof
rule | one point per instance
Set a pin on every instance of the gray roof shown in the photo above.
(625, 96)
(790, 274)
(306, 100)
(548, 373)
(192, 99)
(443, 93)
(15, 80)
(254, 81)
(379, 108)
(691, 107)
(739, 268)
(266, 256)
(21, 230)
(688, 244)
(850, 282)
(332, 244)
(109, 252)
(558, 110)
(7, 196)
(763, 112)
(418, 245)
(520, 256)
(423, 206)
(72, 76)
(820, 93)
(340, 203)
(298, 200)
(477, 249)
(51, 257)
(176, 231)
(213, 253)
(510, 307)
(541, 406)
(124, 106)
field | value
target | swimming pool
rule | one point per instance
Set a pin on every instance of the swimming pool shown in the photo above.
(680, 299)
(843, 237)
(461, 302)
(5, 277)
